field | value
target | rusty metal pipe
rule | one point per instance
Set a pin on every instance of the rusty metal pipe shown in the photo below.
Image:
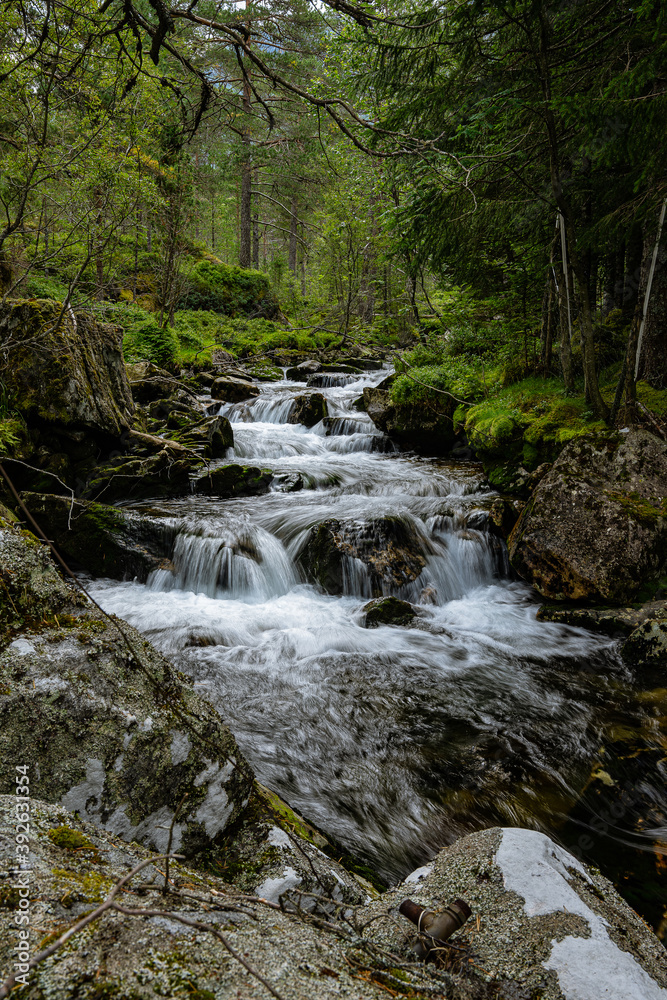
(434, 927)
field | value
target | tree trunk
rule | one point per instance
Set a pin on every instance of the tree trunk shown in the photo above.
(632, 272)
(653, 357)
(245, 219)
(293, 226)
(565, 344)
(255, 228)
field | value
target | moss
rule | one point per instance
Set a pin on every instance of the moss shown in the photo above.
(71, 840)
(79, 887)
(638, 508)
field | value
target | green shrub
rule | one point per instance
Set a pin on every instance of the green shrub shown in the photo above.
(229, 290)
(148, 341)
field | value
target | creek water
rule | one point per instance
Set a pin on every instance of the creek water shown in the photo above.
(393, 740)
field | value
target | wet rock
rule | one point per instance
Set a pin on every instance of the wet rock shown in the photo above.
(107, 541)
(165, 473)
(148, 383)
(212, 437)
(116, 732)
(420, 426)
(72, 377)
(503, 515)
(389, 554)
(647, 645)
(548, 926)
(388, 611)
(229, 389)
(607, 620)
(595, 528)
(301, 372)
(234, 481)
(308, 409)
(288, 482)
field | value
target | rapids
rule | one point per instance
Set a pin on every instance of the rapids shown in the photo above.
(392, 740)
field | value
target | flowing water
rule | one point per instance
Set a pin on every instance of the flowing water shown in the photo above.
(392, 740)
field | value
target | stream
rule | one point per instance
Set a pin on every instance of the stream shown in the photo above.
(393, 740)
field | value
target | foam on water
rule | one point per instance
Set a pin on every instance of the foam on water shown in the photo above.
(392, 739)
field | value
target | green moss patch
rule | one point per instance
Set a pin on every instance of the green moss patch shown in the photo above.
(70, 840)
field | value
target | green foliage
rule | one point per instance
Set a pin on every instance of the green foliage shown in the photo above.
(148, 341)
(528, 422)
(43, 286)
(229, 290)
(10, 435)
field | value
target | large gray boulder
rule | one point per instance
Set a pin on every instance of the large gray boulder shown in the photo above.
(543, 924)
(71, 376)
(596, 526)
(106, 724)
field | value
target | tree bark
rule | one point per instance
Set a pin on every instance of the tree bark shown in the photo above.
(653, 357)
(293, 226)
(255, 228)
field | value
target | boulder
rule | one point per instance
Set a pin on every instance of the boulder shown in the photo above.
(75, 865)
(115, 731)
(595, 528)
(148, 383)
(234, 481)
(542, 925)
(388, 611)
(308, 409)
(386, 548)
(72, 377)
(301, 372)
(229, 389)
(212, 436)
(647, 645)
(421, 425)
(107, 541)
(165, 473)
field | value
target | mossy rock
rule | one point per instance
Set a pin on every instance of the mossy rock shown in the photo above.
(116, 732)
(595, 529)
(309, 409)
(68, 374)
(234, 481)
(104, 540)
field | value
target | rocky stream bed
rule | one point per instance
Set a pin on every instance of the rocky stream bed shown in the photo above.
(304, 607)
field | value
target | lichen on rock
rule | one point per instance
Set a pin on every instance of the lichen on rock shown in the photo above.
(595, 528)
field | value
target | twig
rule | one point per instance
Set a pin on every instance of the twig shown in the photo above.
(171, 834)
(8, 984)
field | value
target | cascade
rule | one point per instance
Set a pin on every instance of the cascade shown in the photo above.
(391, 739)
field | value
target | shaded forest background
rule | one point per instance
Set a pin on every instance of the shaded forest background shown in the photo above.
(475, 191)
